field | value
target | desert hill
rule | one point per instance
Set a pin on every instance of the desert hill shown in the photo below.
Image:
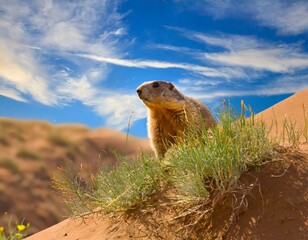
(31, 153)
(276, 208)
(293, 111)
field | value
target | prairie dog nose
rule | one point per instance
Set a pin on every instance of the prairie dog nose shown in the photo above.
(139, 92)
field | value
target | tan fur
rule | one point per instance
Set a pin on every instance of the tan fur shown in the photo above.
(170, 113)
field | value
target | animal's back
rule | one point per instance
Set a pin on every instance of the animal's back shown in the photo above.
(207, 118)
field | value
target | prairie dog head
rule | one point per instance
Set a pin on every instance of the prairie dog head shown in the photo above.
(160, 94)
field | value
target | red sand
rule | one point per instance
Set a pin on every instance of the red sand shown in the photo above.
(279, 212)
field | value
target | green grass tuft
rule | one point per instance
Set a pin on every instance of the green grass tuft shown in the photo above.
(4, 140)
(27, 154)
(215, 159)
(128, 184)
(9, 164)
(198, 164)
(305, 130)
(59, 140)
(113, 189)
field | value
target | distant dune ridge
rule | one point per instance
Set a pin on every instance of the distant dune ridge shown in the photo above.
(294, 109)
(277, 214)
(32, 151)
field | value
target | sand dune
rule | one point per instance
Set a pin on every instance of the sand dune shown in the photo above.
(31, 153)
(277, 214)
(293, 110)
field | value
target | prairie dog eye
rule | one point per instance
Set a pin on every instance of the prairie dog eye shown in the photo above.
(155, 85)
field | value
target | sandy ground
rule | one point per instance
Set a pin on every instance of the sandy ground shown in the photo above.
(91, 228)
(31, 153)
(277, 208)
(291, 111)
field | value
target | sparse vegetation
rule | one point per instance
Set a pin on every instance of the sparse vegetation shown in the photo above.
(10, 129)
(59, 140)
(214, 161)
(27, 154)
(72, 151)
(27, 166)
(305, 132)
(9, 164)
(114, 189)
(199, 174)
(196, 170)
(4, 140)
(289, 134)
(15, 231)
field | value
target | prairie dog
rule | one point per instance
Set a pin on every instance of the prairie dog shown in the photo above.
(170, 113)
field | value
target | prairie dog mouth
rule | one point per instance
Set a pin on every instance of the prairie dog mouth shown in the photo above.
(145, 99)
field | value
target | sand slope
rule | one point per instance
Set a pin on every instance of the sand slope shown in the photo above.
(31, 153)
(91, 229)
(293, 110)
(277, 209)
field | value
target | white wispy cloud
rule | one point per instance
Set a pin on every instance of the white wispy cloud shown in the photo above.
(116, 106)
(37, 35)
(256, 57)
(279, 85)
(184, 50)
(77, 26)
(11, 93)
(20, 70)
(250, 52)
(231, 42)
(275, 60)
(34, 33)
(288, 17)
(199, 69)
(46, 45)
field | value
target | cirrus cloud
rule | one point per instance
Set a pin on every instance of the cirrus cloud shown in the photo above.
(37, 43)
(287, 17)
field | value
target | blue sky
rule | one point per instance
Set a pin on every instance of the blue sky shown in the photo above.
(81, 61)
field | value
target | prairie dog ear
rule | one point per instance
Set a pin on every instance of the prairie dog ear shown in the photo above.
(171, 86)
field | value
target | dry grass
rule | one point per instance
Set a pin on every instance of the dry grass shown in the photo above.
(305, 130)
(59, 140)
(9, 164)
(198, 173)
(178, 197)
(27, 154)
